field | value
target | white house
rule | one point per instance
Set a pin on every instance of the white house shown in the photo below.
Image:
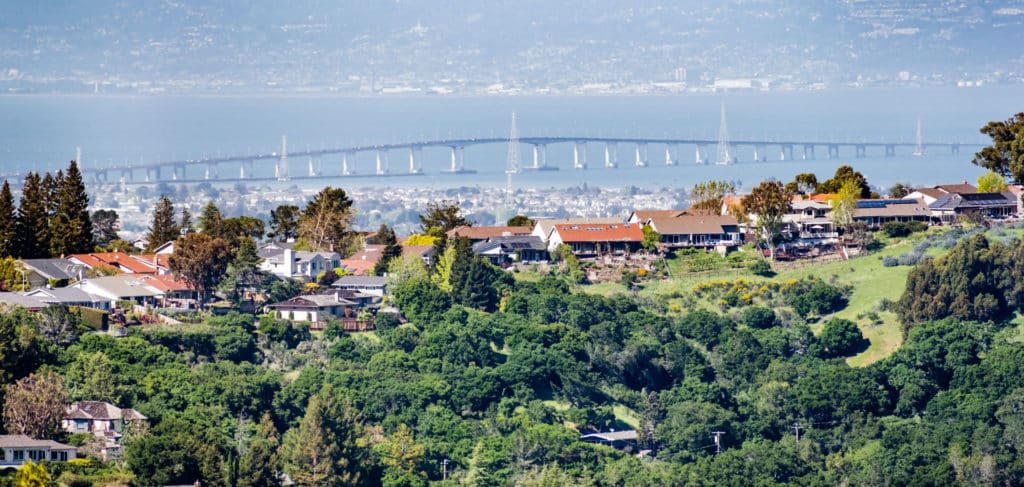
(314, 308)
(17, 449)
(117, 288)
(298, 264)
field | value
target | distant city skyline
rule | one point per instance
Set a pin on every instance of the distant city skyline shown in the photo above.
(528, 47)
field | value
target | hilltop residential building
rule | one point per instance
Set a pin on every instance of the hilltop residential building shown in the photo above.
(15, 450)
(284, 262)
(44, 272)
(480, 234)
(594, 239)
(20, 300)
(120, 288)
(544, 226)
(372, 285)
(508, 249)
(69, 296)
(103, 420)
(987, 205)
(875, 213)
(720, 232)
(117, 261)
(315, 308)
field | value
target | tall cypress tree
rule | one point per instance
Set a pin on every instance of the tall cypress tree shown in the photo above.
(392, 250)
(211, 220)
(70, 226)
(8, 232)
(32, 227)
(164, 228)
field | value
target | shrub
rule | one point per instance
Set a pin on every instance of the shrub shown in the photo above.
(758, 317)
(890, 261)
(815, 296)
(761, 267)
(903, 229)
(840, 337)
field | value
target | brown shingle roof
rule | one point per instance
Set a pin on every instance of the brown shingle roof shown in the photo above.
(963, 188)
(694, 224)
(893, 209)
(484, 233)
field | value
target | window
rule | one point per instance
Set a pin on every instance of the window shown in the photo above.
(19, 455)
(3, 454)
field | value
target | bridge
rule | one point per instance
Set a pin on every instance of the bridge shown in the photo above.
(259, 166)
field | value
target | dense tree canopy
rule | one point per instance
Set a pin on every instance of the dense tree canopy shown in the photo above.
(1006, 154)
(201, 261)
(324, 222)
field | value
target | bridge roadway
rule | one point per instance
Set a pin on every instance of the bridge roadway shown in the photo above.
(281, 172)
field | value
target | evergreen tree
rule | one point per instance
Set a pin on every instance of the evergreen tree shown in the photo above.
(308, 451)
(284, 222)
(70, 225)
(260, 464)
(104, 227)
(32, 220)
(243, 272)
(211, 220)
(325, 220)
(475, 288)
(392, 250)
(163, 229)
(8, 230)
(186, 221)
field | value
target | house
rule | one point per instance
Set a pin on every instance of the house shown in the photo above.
(120, 288)
(69, 296)
(118, 261)
(877, 212)
(594, 239)
(103, 420)
(807, 222)
(287, 263)
(508, 249)
(17, 449)
(544, 226)
(174, 292)
(363, 262)
(931, 195)
(425, 252)
(644, 216)
(620, 440)
(20, 300)
(987, 205)
(480, 234)
(47, 272)
(372, 285)
(701, 231)
(314, 308)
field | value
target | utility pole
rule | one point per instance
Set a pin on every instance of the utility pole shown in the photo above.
(444, 469)
(718, 441)
(796, 428)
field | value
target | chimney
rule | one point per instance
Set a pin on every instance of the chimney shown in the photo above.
(289, 260)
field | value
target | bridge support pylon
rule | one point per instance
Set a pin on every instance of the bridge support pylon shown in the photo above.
(890, 150)
(759, 153)
(860, 151)
(833, 151)
(211, 171)
(458, 159)
(382, 162)
(669, 160)
(808, 151)
(413, 160)
(579, 155)
(786, 152)
(345, 170)
(540, 156)
(954, 148)
(702, 154)
(611, 155)
(641, 155)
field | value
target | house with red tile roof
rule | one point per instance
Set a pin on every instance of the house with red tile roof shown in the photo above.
(593, 239)
(118, 261)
